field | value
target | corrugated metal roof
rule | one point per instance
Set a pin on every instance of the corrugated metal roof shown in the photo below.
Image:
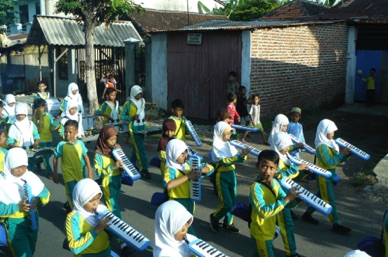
(50, 30)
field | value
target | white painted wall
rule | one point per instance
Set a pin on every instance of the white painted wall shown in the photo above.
(246, 61)
(351, 65)
(159, 69)
(176, 5)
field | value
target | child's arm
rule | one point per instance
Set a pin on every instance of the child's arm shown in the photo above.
(55, 174)
(53, 124)
(9, 209)
(125, 113)
(322, 152)
(107, 170)
(36, 136)
(89, 167)
(178, 181)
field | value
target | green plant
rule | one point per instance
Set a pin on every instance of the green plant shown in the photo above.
(362, 179)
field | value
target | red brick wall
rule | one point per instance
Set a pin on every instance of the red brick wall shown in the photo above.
(301, 66)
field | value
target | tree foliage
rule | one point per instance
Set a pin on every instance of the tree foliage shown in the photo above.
(247, 10)
(7, 12)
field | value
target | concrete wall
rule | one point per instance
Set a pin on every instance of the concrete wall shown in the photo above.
(159, 69)
(301, 66)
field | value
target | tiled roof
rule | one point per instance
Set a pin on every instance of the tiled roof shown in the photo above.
(295, 10)
(155, 20)
(367, 10)
(50, 30)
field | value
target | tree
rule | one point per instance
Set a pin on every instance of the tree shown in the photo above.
(7, 12)
(247, 10)
(93, 13)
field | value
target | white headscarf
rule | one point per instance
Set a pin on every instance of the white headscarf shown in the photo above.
(22, 131)
(77, 116)
(357, 253)
(174, 149)
(221, 149)
(140, 104)
(325, 127)
(10, 98)
(85, 190)
(277, 124)
(11, 187)
(280, 141)
(8, 110)
(169, 218)
(77, 97)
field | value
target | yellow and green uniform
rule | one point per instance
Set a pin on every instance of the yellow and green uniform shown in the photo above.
(72, 163)
(139, 152)
(180, 123)
(266, 202)
(226, 185)
(162, 158)
(328, 159)
(83, 239)
(3, 152)
(21, 237)
(107, 108)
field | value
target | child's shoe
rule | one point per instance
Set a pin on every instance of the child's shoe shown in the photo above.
(145, 174)
(214, 224)
(342, 230)
(308, 218)
(231, 228)
(127, 251)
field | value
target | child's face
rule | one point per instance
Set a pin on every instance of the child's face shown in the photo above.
(284, 127)
(295, 117)
(73, 110)
(267, 169)
(111, 79)
(74, 92)
(112, 96)
(182, 158)
(11, 104)
(285, 150)
(231, 78)
(3, 138)
(42, 87)
(40, 109)
(256, 100)
(330, 136)
(20, 117)
(169, 133)
(180, 235)
(227, 133)
(138, 96)
(91, 206)
(111, 141)
(70, 133)
(177, 112)
(244, 91)
(19, 171)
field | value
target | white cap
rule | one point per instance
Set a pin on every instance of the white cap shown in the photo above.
(357, 253)
(10, 98)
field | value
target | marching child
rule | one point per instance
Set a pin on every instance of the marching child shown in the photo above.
(86, 233)
(3, 151)
(279, 124)
(110, 109)
(168, 132)
(134, 113)
(225, 156)
(71, 113)
(74, 160)
(177, 109)
(24, 133)
(254, 112)
(172, 222)
(42, 91)
(329, 156)
(72, 95)
(295, 128)
(178, 173)
(14, 207)
(267, 200)
(45, 124)
(234, 115)
(222, 115)
(9, 108)
(110, 83)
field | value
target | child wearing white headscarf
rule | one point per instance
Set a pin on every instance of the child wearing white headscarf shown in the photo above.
(178, 172)
(279, 124)
(134, 113)
(72, 95)
(328, 157)
(171, 230)
(14, 208)
(9, 108)
(225, 156)
(72, 113)
(24, 133)
(84, 230)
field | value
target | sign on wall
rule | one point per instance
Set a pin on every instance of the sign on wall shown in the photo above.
(194, 38)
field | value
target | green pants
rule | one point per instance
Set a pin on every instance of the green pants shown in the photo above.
(263, 248)
(69, 188)
(111, 186)
(190, 207)
(46, 158)
(226, 184)
(139, 152)
(21, 237)
(286, 224)
(326, 192)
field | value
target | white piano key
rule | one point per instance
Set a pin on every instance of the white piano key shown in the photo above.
(203, 249)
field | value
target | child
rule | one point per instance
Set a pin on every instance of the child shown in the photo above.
(295, 128)
(279, 124)
(328, 157)
(110, 109)
(267, 199)
(134, 113)
(14, 208)
(172, 221)
(233, 85)
(109, 82)
(72, 113)
(24, 133)
(74, 158)
(3, 152)
(9, 108)
(86, 233)
(222, 115)
(225, 156)
(178, 173)
(234, 115)
(254, 112)
(42, 91)
(370, 81)
(177, 109)
(168, 133)
(45, 124)
(242, 110)
(72, 95)
(286, 169)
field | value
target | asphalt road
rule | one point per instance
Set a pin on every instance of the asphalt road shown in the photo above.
(363, 216)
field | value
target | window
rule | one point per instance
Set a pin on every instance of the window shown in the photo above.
(23, 13)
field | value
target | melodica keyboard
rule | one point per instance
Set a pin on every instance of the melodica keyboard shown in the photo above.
(242, 146)
(306, 147)
(203, 249)
(360, 153)
(128, 167)
(311, 167)
(195, 184)
(309, 198)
